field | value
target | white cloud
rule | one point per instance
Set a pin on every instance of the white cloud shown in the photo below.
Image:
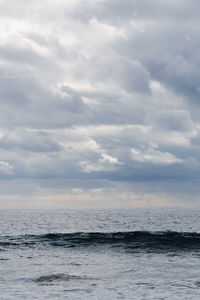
(152, 155)
(104, 163)
(6, 168)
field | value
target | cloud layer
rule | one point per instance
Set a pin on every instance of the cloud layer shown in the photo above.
(100, 95)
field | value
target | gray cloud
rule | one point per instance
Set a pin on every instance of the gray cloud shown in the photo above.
(103, 95)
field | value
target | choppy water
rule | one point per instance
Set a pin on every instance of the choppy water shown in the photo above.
(100, 254)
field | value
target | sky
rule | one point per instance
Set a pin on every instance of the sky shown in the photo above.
(99, 103)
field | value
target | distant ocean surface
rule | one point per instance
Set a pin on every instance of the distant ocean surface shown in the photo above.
(100, 254)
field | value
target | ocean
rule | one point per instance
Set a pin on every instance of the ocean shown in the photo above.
(103, 254)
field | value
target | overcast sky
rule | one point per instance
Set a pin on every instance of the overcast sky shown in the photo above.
(99, 103)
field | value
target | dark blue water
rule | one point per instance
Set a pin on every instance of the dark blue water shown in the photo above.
(100, 254)
(134, 240)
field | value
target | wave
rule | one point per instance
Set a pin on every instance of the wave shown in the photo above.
(55, 277)
(135, 240)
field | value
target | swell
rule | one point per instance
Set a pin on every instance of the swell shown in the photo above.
(138, 240)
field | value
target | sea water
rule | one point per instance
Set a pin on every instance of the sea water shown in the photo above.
(100, 254)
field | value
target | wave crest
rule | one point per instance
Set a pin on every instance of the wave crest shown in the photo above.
(131, 240)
